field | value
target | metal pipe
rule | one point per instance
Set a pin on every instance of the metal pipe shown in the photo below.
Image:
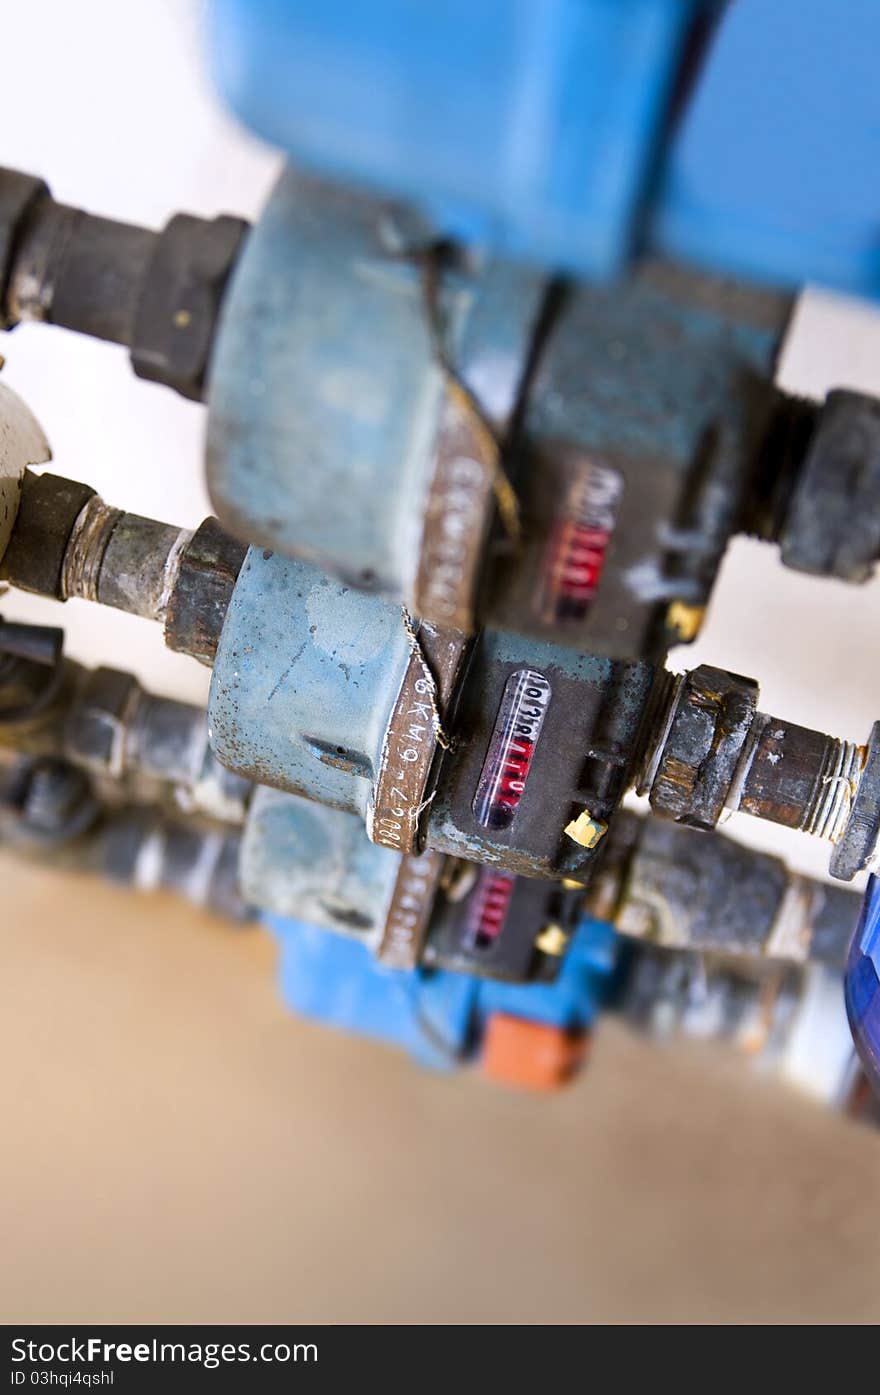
(683, 889)
(80, 272)
(49, 813)
(157, 293)
(103, 721)
(67, 542)
(709, 749)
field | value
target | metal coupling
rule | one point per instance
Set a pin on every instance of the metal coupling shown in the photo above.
(45, 804)
(710, 749)
(49, 812)
(144, 849)
(103, 721)
(145, 743)
(67, 542)
(672, 886)
(816, 488)
(157, 293)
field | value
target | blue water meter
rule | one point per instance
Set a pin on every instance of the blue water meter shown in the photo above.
(862, 984)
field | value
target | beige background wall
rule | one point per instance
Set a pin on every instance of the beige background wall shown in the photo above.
(173, 1145)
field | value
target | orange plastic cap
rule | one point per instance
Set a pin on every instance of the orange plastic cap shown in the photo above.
(530, 1055)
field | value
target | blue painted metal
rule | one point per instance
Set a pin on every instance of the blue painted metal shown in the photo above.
(772, 171)
(862, 984)
(299, 858)
(306, 674)
(536, 127)
(533, 125)
(305, 680)
(576, 997)
(436, 1016)
(325, 394)
(328, 417)
(338, 982)
(322, 385)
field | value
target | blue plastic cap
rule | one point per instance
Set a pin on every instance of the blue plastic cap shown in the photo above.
(532, 125)
(337, 981)
(862, 984)
(576, 997)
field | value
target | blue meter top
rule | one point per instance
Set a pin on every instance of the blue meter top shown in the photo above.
(862, 983)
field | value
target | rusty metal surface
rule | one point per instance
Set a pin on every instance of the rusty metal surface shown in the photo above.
(210, 562)
(785, 778)
(47, 516)
(583, 758)
(410, 910)
(685, 889)
(857, 847)
(457, 516)
(139, 566)
(832, 524)
(67, 542)
(85, 549)
(400, 787)
(708, 749)
(711, 719)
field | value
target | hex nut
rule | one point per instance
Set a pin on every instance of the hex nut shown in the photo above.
(19, 193)
(209, 567)
(832, 525)
(47, 512)
(712, 717)
(99, 718)
(861, 831)
(180, 300)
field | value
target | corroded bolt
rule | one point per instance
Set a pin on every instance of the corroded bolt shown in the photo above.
(67, 542)
(711, 750)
